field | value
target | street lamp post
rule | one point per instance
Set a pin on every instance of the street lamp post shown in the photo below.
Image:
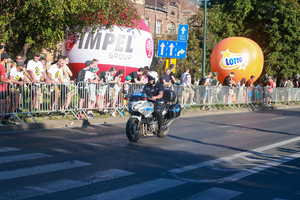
(155, 28)
(204, 40)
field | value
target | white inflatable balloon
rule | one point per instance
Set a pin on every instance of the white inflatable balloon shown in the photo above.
(127, 49)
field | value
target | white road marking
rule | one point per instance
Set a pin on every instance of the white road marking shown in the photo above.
(107, 175)
(215, 193)
(62, 185)
(254, 170)
(4, 175)
(7, 149)
(15, 158)
(45, 188)
(257, 151)
(231, 125)
(138, 190)
(278, 118)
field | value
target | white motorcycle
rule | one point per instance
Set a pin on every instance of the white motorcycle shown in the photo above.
(142, 120)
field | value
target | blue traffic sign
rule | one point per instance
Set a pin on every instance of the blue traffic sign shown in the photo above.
(172, 49)
(183, 32)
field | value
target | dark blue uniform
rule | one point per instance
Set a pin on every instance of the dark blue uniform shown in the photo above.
(151, 90)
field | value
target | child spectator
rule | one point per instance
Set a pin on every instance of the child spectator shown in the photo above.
(117, 87)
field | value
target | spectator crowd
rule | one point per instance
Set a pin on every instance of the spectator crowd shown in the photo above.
(100, 91)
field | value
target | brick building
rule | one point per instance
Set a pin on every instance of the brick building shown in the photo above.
(169, 13)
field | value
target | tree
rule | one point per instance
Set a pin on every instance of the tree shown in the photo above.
(36, 24)
(194, 49)
(273, 24)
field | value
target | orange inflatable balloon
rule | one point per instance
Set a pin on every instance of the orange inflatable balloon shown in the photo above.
(239, 55)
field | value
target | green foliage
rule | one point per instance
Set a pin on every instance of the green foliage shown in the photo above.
(43, 23)
(273, 24)
(194, 50)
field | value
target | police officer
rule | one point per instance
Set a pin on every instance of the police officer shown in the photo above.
(155, 90)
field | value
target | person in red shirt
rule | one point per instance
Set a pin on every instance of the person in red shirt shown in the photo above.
(3, 87)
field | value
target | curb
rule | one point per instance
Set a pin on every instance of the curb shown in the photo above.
(64, 123)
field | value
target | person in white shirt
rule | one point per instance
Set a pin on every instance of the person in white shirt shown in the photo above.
(16, 75)
(187, 87)
(207, 83)
(36, 70)
(66, 94)
(91, 78)
(54, 73)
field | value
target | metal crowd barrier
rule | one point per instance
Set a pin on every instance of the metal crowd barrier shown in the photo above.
(10, 101)
(80, 100)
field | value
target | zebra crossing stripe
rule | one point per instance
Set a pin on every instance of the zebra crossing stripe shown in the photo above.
(107, 175)
(254, 170)
(138, 190)
(215, 193)
(7, 149)
(62, 185)
(238, 155)
(46, 188)
(15, 158)
(4, 175)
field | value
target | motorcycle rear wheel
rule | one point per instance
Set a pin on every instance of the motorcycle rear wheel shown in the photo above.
(164, 133)
(132, 131)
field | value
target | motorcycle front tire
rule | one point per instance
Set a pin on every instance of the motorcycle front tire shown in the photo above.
(131, 128)
(164, 133)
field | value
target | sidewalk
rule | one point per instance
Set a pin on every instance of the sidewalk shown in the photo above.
(63, 123)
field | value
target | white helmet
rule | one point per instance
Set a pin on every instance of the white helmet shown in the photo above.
(152, 75)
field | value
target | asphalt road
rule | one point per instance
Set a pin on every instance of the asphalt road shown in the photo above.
(230, 156)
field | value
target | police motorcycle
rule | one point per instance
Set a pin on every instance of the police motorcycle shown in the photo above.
(143, 121)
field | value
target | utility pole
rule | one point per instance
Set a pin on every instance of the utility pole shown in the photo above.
(155, 28)
(204, 41)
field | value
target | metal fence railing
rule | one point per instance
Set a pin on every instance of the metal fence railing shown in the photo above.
(80, 100)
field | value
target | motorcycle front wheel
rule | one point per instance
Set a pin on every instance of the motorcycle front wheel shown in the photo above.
(133, 132)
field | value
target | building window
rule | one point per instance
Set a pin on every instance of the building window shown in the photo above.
(158, 27)
(171, 29)
(146, 21)
(172, 14)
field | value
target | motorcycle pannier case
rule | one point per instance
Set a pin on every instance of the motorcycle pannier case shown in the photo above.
(174, 111)
(169, 96)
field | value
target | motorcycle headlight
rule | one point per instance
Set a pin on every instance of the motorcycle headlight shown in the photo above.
(137, 105)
